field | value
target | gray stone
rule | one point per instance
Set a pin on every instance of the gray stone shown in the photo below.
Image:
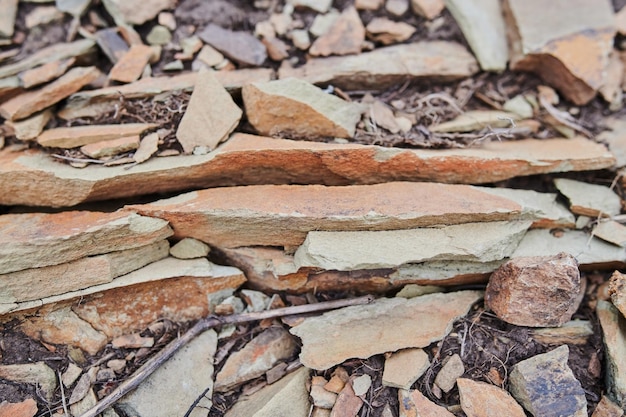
(190, 248)
(73, 7)
(613, 324)
(37, 373)
(189, 373)
(129, 12)
(611, 231)
(575, 332)
(589, 199)
(546, 387)
(617, 290)
(361, 384)
(240, 47)
(343, 251)
(159, 35)
(452, 369)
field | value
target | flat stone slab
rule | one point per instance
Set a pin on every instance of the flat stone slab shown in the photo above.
(434, 60)
(33, 240)
(346, 251)
(613, 324)
(589, 199)
(33, 178)
(73, 137)
(385, 325)
(281, 215)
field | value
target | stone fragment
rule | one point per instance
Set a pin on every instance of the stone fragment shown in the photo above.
(72, 137)
(452, 369)
(368, 4)
(300, 39)
(287, 397)
(383, 67)
(71, 374)
(542, 208)
(189, 248)
(387, 32)
(240, 47)
(257, 357)
(397, 7)
(520, 106)
(255, 300)
(37, 373)
(589, 199)
(193, 364)
(159, 35)
(428, 8)
(85, 404)
(132, 341)
(483, 26)
(480, 399)
(67, 236)
(210, 116)
(26, 408)
(382, 326)
(361, 385)
(32, 178)
(414, 290)
(44, 73)
(323, 22)
(42, 16)
(148, 146)
(607, 408)
(476, 120)
(130, 67)
(37, 283)
(128, 12)
(321, 397)
(210, 56)
(345, 251)
(10, 87)
(414, 404)
(231, 217)
(277, 50)
(575, 332)
(83, 385)
(31, 102)
(615, 138)
(568, 46)
(613, 324)
(545, 385)
(320, 6)
(345, 37)
(535, 291)
(611, 231)
(617, 290)
(299, 109)
(7, 18)
(29, 128)
(404, 367)
(611, 90)
(348, 404)
(111, 147)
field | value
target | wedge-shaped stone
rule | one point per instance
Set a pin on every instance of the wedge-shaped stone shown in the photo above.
(344, 37)
(33, 240)
(567, 44)
(480, 399)
(296, 108)
(589, 199)
(345, 251)
(33, 101)
(476, 120)
(281, 215)
(130, 67)
(73, 137)
(612, 232)
(34, 179)
(45, 73)
(613, 325)
(30, 128)
(239, 46)
(436, 60)
(36, 283)
(386, 325)
(404, 367)
(111, 147)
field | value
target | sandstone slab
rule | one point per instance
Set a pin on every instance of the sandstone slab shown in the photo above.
(611, 231)
(615, 138)
(348, 404)
(37, 373)
(476, 120)
(295, 108)
(73, 137)
(589, 199)
(617, 290)
(126, 12)
(240, 47)
(575, 332)
(479, 399)
(344, 37)
(382, 326)
(344, 251)
(436, 60)
(568, 44)
(404, 367)
(131, 65)
(414, 404)
(545, 385)
(535, 291)
(44, 73)
(613, 324)
(189, 248)
(7, 20)
(428, 8)
(387, 31)
(108, 148)
(452, 369)
(31, 127)
(193, 364)
(210, 116)
(26, 408)
(67, 236)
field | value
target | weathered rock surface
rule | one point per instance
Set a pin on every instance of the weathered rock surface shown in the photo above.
(414, 404)
(189, 248)
(607, 408)
(26, 408)
(613, 324)
(387, 32)
(131, 14)
(589, 199)
(483, 26)
(382, 326)
(193, 364)
(348, 403)
(282, 215)
(72, 137)
(241, 47)
(428, 8)
(479, 399)
(130, 67)
(611, 231)
(568, 45)
(545, 385)
(615, 137)
(45, 73)
(575, 332)
(108, 148)
(295, 108)
(31, 127)
(345, 251)
(66, 236)
(37, 373)
(476, 120)
(404, 367)
(451, 370)
(210, 117)
(617, 290)
(383, 67)
(344, 37)
(535, 291)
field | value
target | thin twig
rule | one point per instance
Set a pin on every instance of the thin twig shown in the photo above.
(69, 158)
(63, 401)
(205, 324)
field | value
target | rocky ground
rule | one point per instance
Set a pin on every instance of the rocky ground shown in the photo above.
(312, 208)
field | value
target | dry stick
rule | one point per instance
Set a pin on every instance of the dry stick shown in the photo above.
(205, 324)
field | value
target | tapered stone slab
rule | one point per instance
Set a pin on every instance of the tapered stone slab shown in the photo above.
(273, 215)
(435, 60)
(613, 324)
(385, 325)
(130, 67)
(480, 399)
(589, 199)
(32, 178)
(33, 240)
(73, 137)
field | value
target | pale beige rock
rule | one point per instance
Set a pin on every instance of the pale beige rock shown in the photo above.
(321, 397)
(300, 39)
(520, 106)
(210, 117)
(452, 369)
(568, 44)
(345, 37)
(245, 216)
(42, 15)
(320, 6)
(31, 102)
(613, 324)
(299, 109)
(387, 31)
(404, 367)
(611, 231)
(414, 290)
(68, 236)
(26, 408)
(72, 137)
(189, 248)
(607, 408)
(210, 56)
(85, 404)
(483, 26)
(414, 404)
(111, 147)
(615, 137)
(476, 120)
(383, 67)
(148, 146)
(131, 65)
(29, 128)
(129, 13)
(575, 332)
(382, 326)
(428, 8)
(611, 90)
(617, 290)
(383, 116)
(345, 251)
(36, 283)
(71, 374)
(479, 399)
(368, 4)
(37, 373)
(397, 7)
(7, 17)
(589, 199)
(46, 72)
(323, 22)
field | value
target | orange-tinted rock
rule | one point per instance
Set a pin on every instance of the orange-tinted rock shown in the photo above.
(387, 31)
(428, 8)
(480, 399)
(347, 404)
(607, 408)
(414, 404)
(72, 137)
(111, 147)
(345, 37)
(45, 72)
(130, 67)
(26, 408)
